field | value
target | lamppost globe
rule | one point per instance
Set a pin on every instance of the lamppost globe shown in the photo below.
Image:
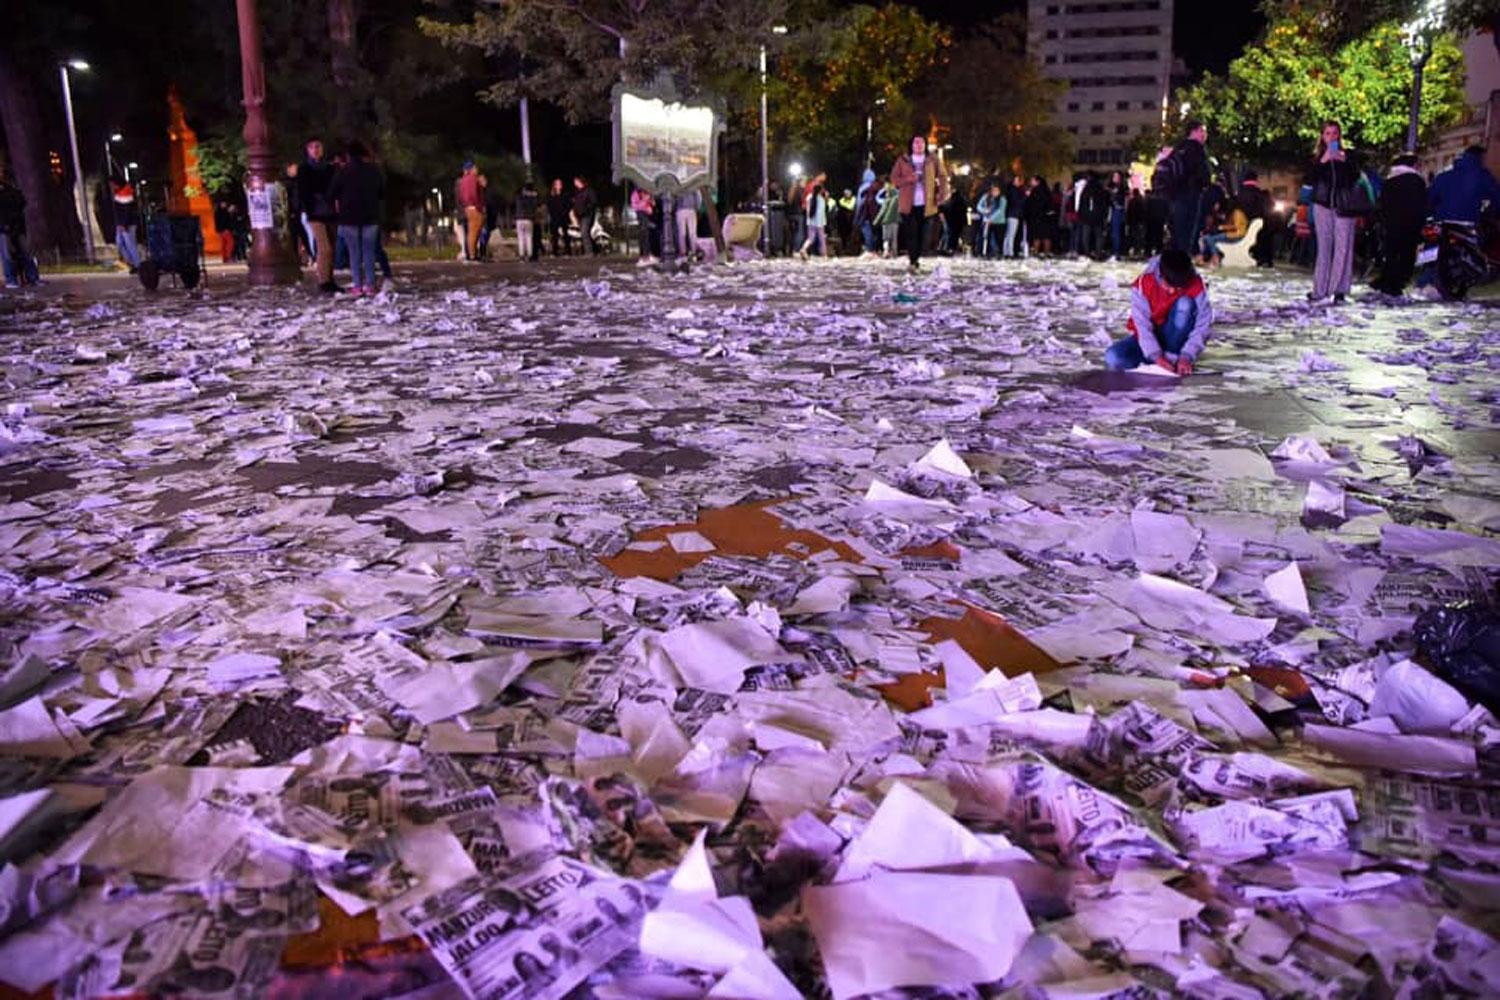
(78, 64)
(794, 171)
(778, 29)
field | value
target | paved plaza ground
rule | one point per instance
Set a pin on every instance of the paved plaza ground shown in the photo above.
(334, 627)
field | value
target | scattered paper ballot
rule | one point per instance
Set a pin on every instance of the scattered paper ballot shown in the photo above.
(943, 460)
(692, 926)
(915, 929)
(689, 541)
(240, 668)
(1285, 587)
(714, 656)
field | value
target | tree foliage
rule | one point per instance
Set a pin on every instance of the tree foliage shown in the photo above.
(1269, 106)
(571, 52)
(1008, 127)
(1340, 21)
(863, 66)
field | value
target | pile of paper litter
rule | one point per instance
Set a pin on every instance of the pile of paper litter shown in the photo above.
(764, 633)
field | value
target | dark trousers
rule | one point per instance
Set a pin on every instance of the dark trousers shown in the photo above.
(914, 231)
(1185, 221)
(1400, 260)
(586, 233)
(559, 230)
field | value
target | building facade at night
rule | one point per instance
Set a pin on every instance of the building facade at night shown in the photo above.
(1116, 57)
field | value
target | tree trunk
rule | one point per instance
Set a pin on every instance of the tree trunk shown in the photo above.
(51, 216)
(342, 21)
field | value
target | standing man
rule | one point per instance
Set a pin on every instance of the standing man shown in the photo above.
(687, 223)
(127, 217)
(585, 207)
(923, 188)
(1403, 211)
(471, 202)
(525, 224)
(1015, 215)
(558, 206)
(314, 179)
(1189, 176)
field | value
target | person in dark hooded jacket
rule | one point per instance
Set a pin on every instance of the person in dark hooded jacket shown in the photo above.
(1403, 211)
(1458, 192)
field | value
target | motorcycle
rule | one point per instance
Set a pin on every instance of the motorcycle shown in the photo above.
(1461, 255)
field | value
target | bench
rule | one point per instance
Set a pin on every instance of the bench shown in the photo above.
(742, 235)
(1237, 254)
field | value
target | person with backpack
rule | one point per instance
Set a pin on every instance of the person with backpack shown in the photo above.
(1181, 177)
(1337, 202)
(923, 188)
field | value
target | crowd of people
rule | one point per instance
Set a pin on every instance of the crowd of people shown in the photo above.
(1344, 212)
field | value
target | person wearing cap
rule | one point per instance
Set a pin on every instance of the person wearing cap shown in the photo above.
(471, 200)
(127, 217)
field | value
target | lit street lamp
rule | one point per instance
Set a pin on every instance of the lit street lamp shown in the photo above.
(1421, 32)
(79, 196)
(765, 143)
(109, 158)
(870, 133)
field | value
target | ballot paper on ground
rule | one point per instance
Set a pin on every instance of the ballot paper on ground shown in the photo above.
(694, 927)
(895, 929)
(714, 656)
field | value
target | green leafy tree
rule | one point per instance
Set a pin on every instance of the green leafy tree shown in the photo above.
(221, 161)
(1270, 105)
(863, 66)
(1010, 127)
(571, 52)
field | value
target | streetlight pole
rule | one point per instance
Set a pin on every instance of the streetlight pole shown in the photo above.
(271, 260)
(1421, 33)
(765, 143)
(526, 135)
(80, 196)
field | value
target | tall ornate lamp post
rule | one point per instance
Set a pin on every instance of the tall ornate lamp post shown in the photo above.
(1421, 31)
(271, 260)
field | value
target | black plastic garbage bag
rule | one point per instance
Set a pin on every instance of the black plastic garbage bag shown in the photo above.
(1461, 643)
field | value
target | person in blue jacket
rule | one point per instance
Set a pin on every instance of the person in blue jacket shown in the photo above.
(1458, 192)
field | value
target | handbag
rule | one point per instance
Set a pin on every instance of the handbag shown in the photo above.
(1353, 201)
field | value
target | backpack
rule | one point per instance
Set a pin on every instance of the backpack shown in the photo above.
(1168, 176)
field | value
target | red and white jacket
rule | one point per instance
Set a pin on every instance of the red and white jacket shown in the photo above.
(1151, 302)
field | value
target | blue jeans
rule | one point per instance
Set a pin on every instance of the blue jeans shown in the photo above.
(1185, 221)
(1116, 229)
(1125, 353)
(125, 243)
(5, 262)
(361, 242)
(867, 230)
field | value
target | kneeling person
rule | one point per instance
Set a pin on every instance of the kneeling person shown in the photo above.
(1170, 318)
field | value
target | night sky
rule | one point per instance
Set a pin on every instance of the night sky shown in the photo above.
(1207, 35)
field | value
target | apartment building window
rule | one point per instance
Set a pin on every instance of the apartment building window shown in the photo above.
(1097, 106)
(1148, 105)
(1072, 105)
(1126, 31)
(1114, 81)
(1119, 6)
(1096, 130)
(1073, 129)
(1122, 129)
(1051, 60)
(1098, 57)
(1051, 34)
(1122, 105)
